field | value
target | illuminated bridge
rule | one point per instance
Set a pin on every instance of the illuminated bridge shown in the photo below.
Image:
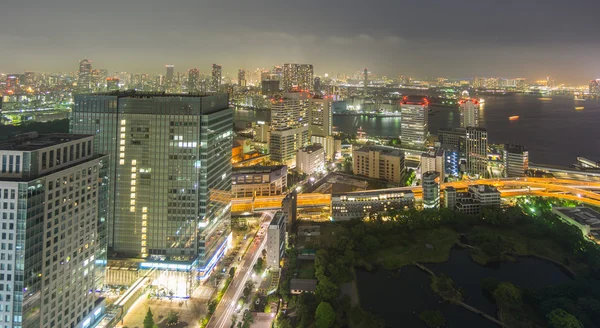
(582, 191)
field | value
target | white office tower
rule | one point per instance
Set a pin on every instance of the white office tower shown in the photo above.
(54, 201)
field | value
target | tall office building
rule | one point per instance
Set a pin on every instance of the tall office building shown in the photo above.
(317, 85)
(169, 76)
(193, 80)
(241, 77)
(431, 189)
(378, 162)
(320, 116)
(276, 240)
(53, 191)
(365, 81)
(297, 76)
(516, 160)
(289, 127)
(216, 78)
(171, 173)
(433, 161)
(112, 84)
(595, 87)
(413, 122)
(469, 112)
(476, 151)
(84, 76)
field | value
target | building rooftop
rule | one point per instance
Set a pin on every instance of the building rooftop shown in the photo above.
(256, 169)
(277, 218)
(377, 193)
(312, 148)
(307, 285)
(515, 148)
(483, 188)
(414, 100)
(382, 149)
(145, 94)
(33, 141)
(583, 215)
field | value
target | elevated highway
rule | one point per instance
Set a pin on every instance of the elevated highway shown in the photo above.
(583, 191)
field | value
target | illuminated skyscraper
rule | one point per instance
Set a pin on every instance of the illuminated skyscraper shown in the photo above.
(242, 77)
(297, 76)
(193, 80)
(112, 84)
(84, 76)
(365, 81)
(54, 191)
(317, 85)
(431, 189)
(170, 174)
(290, 127)
(476, 150)
(170, 73)
(413, 121)
(469, 112)
(595, 87)
(216, 77)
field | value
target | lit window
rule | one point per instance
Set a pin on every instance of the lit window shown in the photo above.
(132, 202)
(133, 175)
(123, 122)
(133, 162)
(132, 209)
(122, 162)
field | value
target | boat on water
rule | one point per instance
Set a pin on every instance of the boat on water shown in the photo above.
(579, 108)
(545, 99)
(579, 99)
(481, 100)
(513, 118)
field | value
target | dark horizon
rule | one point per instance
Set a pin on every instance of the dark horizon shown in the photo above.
(430, 39)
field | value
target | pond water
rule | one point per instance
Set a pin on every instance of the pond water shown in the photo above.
(399, 297)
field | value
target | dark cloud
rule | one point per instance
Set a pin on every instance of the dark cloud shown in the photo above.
(426, 38)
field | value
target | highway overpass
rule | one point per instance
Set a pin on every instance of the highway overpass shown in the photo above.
(583, 191)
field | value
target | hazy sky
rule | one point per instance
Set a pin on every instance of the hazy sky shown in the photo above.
(424, 38)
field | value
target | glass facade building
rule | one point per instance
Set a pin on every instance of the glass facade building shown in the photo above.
(53, 198)
(170, 173)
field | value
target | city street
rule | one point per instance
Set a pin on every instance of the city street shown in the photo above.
(227, 307)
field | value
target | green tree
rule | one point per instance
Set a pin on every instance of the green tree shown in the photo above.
(560, 318)
(432, 318)
(508, 295)
(258, 267)
(326, 290)
(324, 316)
(149, 319)
(172, 318)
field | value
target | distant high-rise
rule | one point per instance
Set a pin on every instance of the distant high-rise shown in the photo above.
(241, 77)
(431, 189)
(365, 81)
(595, 87)
(193, 80)
(469, 112)
(476, 151)
(413, 121)
(170, 175)
(216, 77)
(516, 160)
(84, 76)
(297, 76)
(170, 71)
(54, 191)
(317, 85)
(112, 84)
(290, 127)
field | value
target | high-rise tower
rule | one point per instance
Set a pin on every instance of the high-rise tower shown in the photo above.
(84, 76)
(170, 173)
(469, 112)
(297, 76)
(476, 151)
(216, 77)
(193, 80)
(414, 122)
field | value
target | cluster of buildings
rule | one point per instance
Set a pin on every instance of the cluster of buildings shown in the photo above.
(144, 179)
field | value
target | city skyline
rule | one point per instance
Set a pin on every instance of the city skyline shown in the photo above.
(521, 39)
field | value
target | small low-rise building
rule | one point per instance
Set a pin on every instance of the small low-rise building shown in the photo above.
(299, 286)
(310, 159)
(258, 181)
(584, 218)
(473, 200)
(360, 204)
(378, 162)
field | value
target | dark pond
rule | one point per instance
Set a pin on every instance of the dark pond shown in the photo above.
(400, 297)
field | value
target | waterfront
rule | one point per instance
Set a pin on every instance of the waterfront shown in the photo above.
(553, 130)
(400, 297)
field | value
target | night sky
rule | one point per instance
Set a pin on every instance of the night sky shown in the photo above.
(425, 38)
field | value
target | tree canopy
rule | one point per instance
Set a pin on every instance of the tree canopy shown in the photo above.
(324, 316)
